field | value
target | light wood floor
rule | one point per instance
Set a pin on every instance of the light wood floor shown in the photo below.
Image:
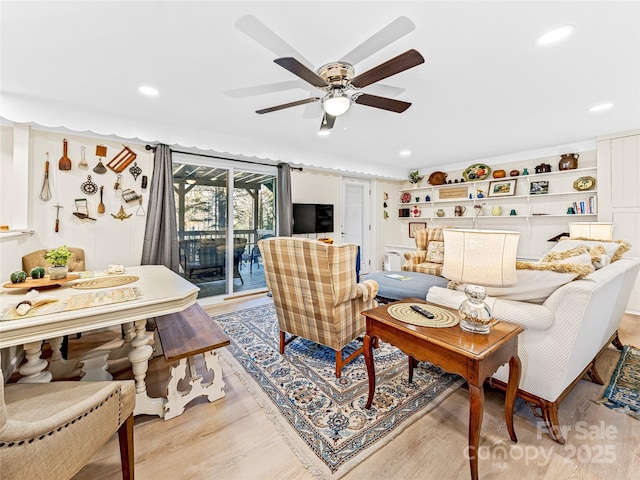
(232, 438)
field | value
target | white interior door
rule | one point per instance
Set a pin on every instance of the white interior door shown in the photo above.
(356, 218)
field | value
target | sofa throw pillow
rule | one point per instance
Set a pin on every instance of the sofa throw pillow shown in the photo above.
(435, 252)
(537, 281)
(615, 249)
(578, 255)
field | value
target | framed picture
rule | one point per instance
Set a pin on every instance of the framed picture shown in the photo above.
(502, 188)
(414, 227)
(538, 188)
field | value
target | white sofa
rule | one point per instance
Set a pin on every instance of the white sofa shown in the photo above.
(563, 337)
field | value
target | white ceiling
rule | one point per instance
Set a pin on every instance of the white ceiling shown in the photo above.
(485, 90)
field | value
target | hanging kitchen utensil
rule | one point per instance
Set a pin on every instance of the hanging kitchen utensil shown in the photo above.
(140, 211)
(101, 151)
(135, 170)
(82, 211)
(88, 187)
(118, 186)
(122, 159)
(129, 195)
(58, 207)
(121, 215)
(65, 162)
(82, 165)
(101, 205)
(45, 193)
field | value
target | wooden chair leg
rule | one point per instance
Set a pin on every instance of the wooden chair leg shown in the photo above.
(338, 363)
(594, 375)
(282, 342)
(616, 342)
(547, 411)
(125, 437)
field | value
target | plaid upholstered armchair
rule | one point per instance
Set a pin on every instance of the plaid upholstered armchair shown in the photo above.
(315, 292)
(430, 254)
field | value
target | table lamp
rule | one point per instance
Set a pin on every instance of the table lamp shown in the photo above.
(479, 258)
(594, 230)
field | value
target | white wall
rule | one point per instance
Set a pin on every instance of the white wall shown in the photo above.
(105, 241)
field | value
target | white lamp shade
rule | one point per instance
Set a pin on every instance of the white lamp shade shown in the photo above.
(594, 230)
(480, 257)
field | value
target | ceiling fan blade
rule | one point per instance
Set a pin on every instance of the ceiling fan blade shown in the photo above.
(327, 122)
(297, 68)
(288, 105)
(402, 62)
(244, 92)
(266, 37)
(389, 34)
(383, 103)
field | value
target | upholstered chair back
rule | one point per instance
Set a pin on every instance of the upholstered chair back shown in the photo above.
(76, 262)
(432, 234)
(51, 430)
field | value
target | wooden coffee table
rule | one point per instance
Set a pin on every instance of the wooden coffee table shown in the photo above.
(473, 356)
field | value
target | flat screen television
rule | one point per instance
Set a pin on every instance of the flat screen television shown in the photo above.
(312, 218)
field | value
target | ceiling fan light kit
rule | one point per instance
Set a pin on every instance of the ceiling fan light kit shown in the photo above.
(336, 103)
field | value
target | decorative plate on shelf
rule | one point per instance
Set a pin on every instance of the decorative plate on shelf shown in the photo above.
(584, 183)
(406, 197)
(478, 171)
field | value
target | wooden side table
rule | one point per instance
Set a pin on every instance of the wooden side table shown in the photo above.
(473, 356)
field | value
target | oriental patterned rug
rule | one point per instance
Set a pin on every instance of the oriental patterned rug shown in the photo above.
(327, 414)
(623, 392)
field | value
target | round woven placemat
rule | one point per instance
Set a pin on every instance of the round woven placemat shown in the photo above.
(105, 282)
(441, 318)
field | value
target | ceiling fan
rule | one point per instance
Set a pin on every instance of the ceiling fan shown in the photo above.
(336, 79)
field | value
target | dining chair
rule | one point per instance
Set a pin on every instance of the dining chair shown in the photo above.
(51, 430)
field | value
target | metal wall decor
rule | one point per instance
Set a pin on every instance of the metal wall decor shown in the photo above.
(135, 170)
(88, 187)
(121, 215)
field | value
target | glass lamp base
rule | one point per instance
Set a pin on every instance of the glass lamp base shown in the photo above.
(475, 315)
(474, 327)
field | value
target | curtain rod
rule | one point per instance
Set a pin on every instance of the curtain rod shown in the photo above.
(151, 147)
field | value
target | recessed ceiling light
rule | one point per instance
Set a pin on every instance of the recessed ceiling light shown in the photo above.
(601, 107)
(324, 132)
(405, 153)
(147, 90)
(556, 35)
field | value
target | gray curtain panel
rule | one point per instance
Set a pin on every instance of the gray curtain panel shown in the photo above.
(284, 207)
(161, 233)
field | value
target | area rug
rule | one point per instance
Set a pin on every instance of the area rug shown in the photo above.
(327, 414)
(623, 392)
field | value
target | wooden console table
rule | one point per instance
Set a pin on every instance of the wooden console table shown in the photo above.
(473, 356)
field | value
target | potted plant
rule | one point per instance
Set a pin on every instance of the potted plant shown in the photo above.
(414, 177)
(58, 258)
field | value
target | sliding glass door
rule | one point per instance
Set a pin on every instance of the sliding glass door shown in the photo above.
(212, 199)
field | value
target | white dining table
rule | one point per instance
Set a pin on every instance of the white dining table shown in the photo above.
(161, 292)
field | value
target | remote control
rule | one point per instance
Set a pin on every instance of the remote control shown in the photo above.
(422, 311)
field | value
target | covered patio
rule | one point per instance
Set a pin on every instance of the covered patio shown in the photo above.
(201, 196)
